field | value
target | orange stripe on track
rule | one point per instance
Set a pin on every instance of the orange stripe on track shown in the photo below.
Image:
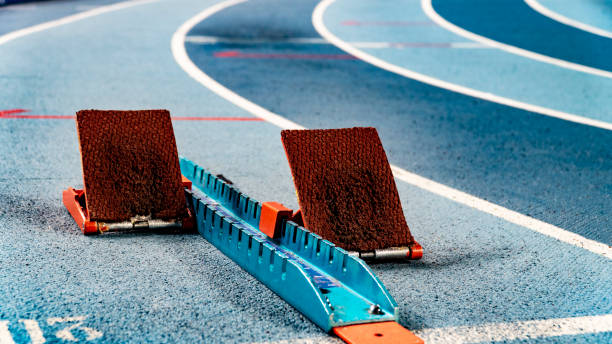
(12, 111)
(388, 23)
(37, 116)
(18, 113)
(240, 119)
(241, 55)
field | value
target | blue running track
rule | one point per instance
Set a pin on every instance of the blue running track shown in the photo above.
(483, 148)
(515, 23)
(490, 277)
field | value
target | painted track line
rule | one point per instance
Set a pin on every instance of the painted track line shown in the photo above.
(497, 332)
(310, 340)
(70, 19)
(317, 20)
(11, 112)
(183, 60)
(388, 23)
(5, 335)
(503, 213)
(522, 330)
(212, 40)
(34, 331)
(18, 114)
(181, 57)
(433, 15)
(538, 7)
(241, 55)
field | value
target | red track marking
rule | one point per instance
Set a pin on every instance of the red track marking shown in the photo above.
(239, 119)
(420, 45)
(37, 116)
(388, 23)
(13, 114)
(237, 54)
(8, 112)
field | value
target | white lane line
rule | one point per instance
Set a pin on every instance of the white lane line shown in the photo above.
(69, 19)
(196, 39)
(66, 332)
(538, 7)
(34, 331)
(496, 332)
(317, 20)
(504, 213)
(311, 340)
(183, 60)
(210, 40)
(521, 330)
(181, 57)
(470, 45)
(5, 334)
(433, 15)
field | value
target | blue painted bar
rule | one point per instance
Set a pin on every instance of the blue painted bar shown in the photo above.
(322, 281)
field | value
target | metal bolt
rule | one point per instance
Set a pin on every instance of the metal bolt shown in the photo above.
(375, 309)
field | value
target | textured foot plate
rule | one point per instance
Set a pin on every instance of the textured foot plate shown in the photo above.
(130, 165)
(345, 187)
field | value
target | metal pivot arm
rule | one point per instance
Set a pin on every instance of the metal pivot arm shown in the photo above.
(75, 202)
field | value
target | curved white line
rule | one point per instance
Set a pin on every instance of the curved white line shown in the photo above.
(317, 20)
(538, 7)
(181, 57)
(495, 332)
(503, 213)
(521, 330)
(69, 19)
(433, 15)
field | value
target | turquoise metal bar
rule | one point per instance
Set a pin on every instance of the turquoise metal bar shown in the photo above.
(322, 281)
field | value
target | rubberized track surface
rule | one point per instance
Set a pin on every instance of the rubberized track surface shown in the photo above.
(533, 31)
(478, 270)
(477, 146)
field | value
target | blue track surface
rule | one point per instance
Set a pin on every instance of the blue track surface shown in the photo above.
(435, 51)
(21, 14)
(596, 13)
(477, 269)
(483, 148)
(499, 21)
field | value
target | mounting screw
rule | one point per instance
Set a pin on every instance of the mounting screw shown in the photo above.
(375, 309)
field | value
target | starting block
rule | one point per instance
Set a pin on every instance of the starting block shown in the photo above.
(334, 289)
(133, 179)
(347, 193)
(131, 173)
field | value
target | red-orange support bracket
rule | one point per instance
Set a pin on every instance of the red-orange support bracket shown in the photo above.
(271, 222)
(271, 218)
(75, 202)
(416, 251)
(387, 332)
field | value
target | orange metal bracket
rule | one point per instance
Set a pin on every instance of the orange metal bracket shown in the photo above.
(186, 182)
(387, 332)
(75, 202)
(416, 251)
(271, 218)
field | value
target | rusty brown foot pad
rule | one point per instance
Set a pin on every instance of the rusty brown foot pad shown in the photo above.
(130, 165)
(388, 332)
(345, 188)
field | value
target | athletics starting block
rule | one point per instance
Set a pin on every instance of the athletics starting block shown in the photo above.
(133, 179)
(131, 173)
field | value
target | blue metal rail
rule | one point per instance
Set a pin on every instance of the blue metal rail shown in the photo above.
(322, 281)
